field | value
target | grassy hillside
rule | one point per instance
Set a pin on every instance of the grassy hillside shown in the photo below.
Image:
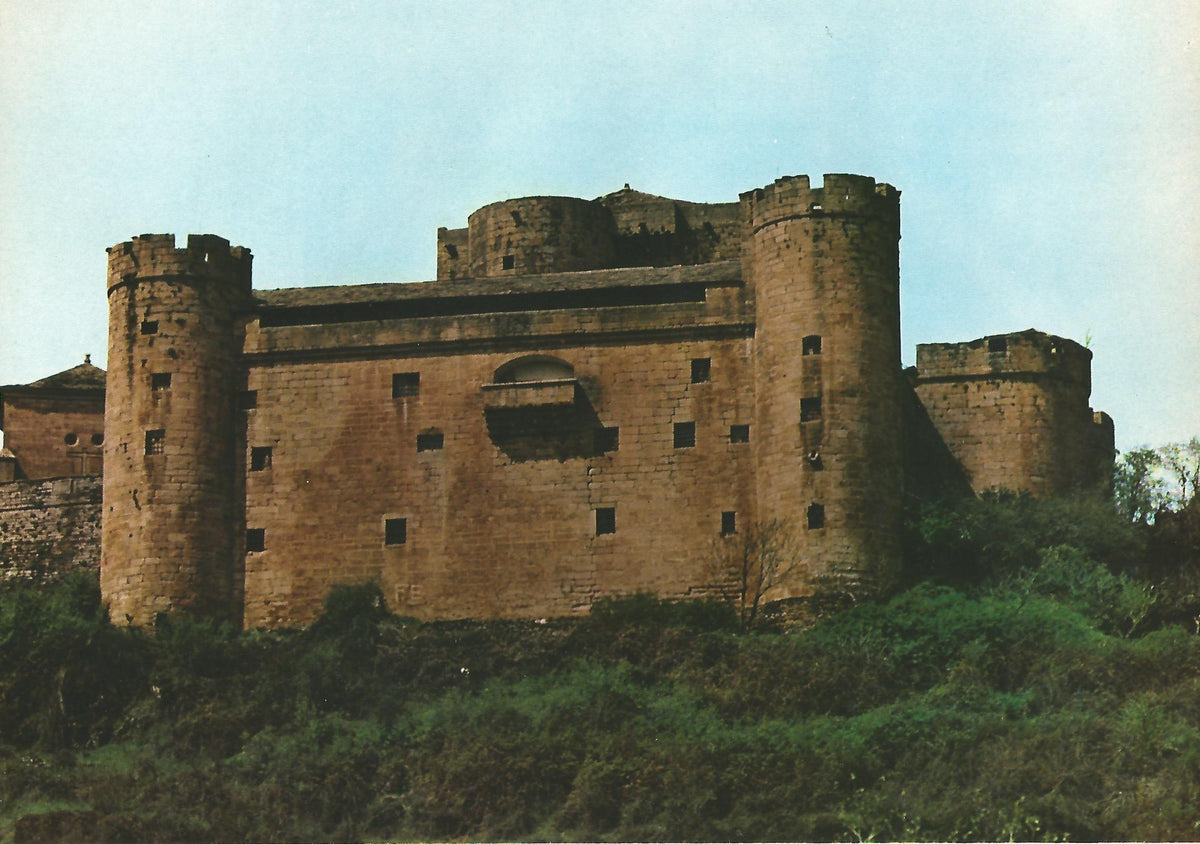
(1026, 685)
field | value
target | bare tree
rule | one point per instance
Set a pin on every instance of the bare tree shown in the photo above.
(754, 561)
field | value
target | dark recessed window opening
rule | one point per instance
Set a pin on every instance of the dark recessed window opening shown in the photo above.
(260, 458)
(816, 516)
(451, 250)
(405, 384)
(739, 433)
(256, 539)
(97, 439)
(395, 531)
(606, 520)
(156, 441)
(516, 215)
(815, 462)
(728, 523)
(998, 344)
(810, 409)
(71, 439)
(811, 345)
(508, 262)
(685, 434)
(432, 441)
(150, 326)
(160, 381)
(607, 439)
(250, 400)
(701, 370)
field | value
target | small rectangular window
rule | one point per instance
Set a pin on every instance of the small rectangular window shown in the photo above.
(606, 520)
(160, 381)
(607, 439)
(156, 441)
(508, 262)
(728, 523)
(451, 250)
(249, 400)
(739, 433)
(406, 384)
(685, 434)
(810, 409)
(811, 345)
(701, 370)
(260, 458)
(256, 539)
(150, 326)
(998, 344)
(395, 531)
(430, 442)
(816, 516)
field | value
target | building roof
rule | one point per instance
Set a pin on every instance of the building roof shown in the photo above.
(85, 376)
(717, 274)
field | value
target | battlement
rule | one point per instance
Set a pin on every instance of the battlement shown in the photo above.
(1024, 353)
(841, 194)
(206, 256)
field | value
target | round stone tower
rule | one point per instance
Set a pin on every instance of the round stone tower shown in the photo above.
(824, 267)
(173, 525)
(540, 234)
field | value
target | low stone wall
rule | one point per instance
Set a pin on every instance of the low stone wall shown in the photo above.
(49, 528)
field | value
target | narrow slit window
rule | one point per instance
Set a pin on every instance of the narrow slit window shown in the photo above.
(607, 439)
(395, 531)
(816, 516)
(432, 441)
(728, 523)
(508, 262)
(260, 458)
(685, 434)
(156, 441)
(160, 381)
(810, 409)
(739, 433)
(606, 520)
(256, 539)
(406, 385)
(149, 326)
(701, 370)
(811, 345)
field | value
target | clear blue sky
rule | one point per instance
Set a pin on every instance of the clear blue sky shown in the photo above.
(1046, 151)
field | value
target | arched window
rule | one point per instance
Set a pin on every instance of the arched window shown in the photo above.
(534, 368)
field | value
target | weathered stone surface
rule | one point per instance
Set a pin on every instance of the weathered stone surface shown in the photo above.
(49, 527)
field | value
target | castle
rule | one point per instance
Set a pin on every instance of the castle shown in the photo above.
(592, 397)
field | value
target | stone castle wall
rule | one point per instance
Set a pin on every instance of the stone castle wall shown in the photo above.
(49, 527)
(594, 398)
(1014, 410)
(172, 531)
(55, 436)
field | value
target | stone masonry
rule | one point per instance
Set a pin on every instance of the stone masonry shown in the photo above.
(594, 398)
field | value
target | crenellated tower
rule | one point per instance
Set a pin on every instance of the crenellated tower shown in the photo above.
(173, 525)
(823, 264)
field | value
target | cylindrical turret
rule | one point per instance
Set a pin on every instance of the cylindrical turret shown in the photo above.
(540, 234)
(824, 267)
(173, 525)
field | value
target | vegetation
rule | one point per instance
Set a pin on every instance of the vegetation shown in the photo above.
(1031, 683)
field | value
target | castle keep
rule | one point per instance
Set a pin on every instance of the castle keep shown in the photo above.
(590, 400)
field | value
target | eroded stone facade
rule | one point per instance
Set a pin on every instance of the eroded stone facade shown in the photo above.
(592, 399)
